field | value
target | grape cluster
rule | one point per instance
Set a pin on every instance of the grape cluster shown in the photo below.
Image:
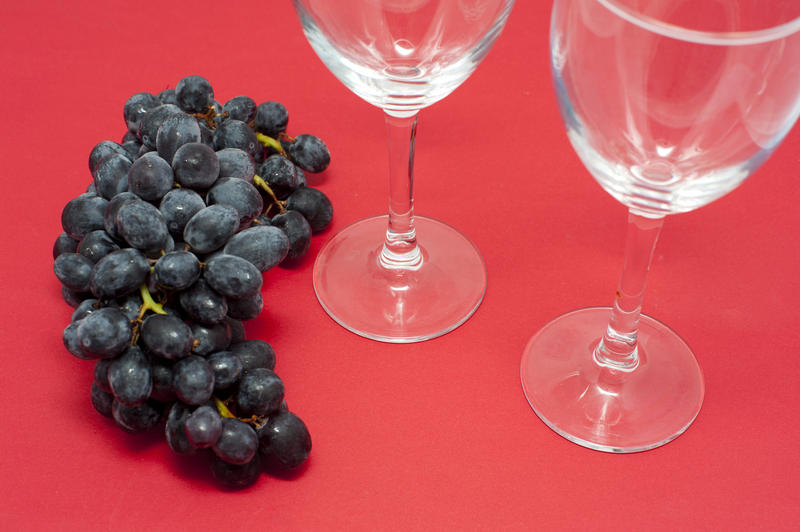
(162, 258)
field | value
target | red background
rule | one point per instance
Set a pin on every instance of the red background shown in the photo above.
(430, 436)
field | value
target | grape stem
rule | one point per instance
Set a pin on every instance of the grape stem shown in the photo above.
(259, 182)
(148, 303)
(270, 142)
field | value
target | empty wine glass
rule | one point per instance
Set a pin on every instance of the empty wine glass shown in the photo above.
(670, 104)
(373, 277)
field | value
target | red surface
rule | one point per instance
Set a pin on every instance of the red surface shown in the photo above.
(432, 436)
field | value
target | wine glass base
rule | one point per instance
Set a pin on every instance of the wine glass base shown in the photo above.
(399, 306)
(604, 410)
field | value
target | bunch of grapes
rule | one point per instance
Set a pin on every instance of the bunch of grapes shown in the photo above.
(162, 258)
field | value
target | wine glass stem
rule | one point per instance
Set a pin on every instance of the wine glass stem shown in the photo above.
(400, 250)
(617, 349)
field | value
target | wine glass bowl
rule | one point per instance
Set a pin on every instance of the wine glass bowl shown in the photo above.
(670, 104)
(401, 277)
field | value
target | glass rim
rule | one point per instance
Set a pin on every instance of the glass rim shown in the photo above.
(725, 38)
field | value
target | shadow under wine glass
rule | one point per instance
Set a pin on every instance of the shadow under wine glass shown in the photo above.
(401, 277)
(670, 105)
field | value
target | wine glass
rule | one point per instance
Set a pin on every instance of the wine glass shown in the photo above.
(670, 104)
(401, 277)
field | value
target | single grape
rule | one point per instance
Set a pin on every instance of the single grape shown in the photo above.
(196, 166)
(227, 368)
(232, 276)
(237, 163)
(150, 177)
(260, 392)
(102, 401)
(237, 443)
(240, 108)
(101, 374)
(178, 206)
(271, 118)
(210, 338)
(70, 339)
(142, 225)
(166, 336)
(111, 175)
(105, 333)
(102, 150)
(175, 428)
(235, 476)
(194, 94)
(137, 418)
(193, 380)
(161, 371)
(203, 304)
(148, 128)
(110, 214)
(64, 244)
(246, 308)
(211, 227)
(74, 271)
(132, 148)
(96, 245)
(175, 131)
(297, 230)
(119, 273)
(309, 153)
(284, 441)
(239, 194)
(136, 107)
(176, 270)
(203, 427)
(237, 330)
(314, 205)
(130, 378)
(237, 134)
(262, 246)
(72, 298)
(254, 353)
(86, 307)
(280, 174)
(168, 96)
(83, 214)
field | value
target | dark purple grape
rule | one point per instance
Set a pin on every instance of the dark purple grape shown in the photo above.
(102, 150)
(119, 273)
(178, 206)
(75, 271)
(193, 380)
(136, 107)
(227, 368)
(166, 336)
(314, 205)
(210, 338)
(232, 276)
(111, 175)
(238, 442)
(237, 163)
(162, 380)
(263, 246)
(150, 177)
(142, 226)
(247, 308)
(101, 374)
(96, 245)
(72, 298)
(240, 108)
(238, 333)
(148, 128)
(130, 378)
(168, 96)
(203, 427)
(210, 228)
(194, 94)
(83, 214)
(235, 476)
(176, 270)
(240, 195)
(237, 134)
(105, 333)
(110, 215)
(203, 304)
(284, 441)
(175, 131)
(308, 152)
(86, 307)
(137, 418)
(175, 428)
(64, 244)
(70, 339)
(297, 230)
(280, 174)
(254, 354)
(260, 392)
(271, 118)
(102, 401)
(196, 166)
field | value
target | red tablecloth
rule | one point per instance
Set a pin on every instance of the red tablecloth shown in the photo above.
(430, 436)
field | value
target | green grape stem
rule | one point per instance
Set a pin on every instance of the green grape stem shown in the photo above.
(263, 185)
(270, 142)
(148, 303)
